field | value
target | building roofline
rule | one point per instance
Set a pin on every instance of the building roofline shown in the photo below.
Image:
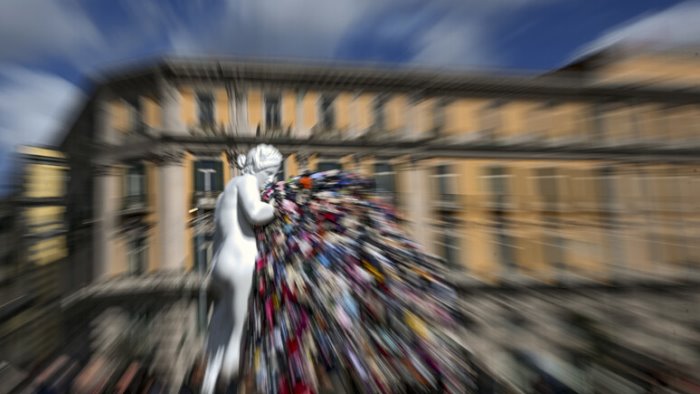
(33, 150)
(367, 76)
(326, 75)
(362, 74)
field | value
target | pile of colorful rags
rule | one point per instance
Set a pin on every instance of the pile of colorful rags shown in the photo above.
(342, 300)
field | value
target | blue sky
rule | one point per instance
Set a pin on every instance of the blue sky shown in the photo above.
(47, 47)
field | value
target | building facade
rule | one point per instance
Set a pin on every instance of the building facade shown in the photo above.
(499, 176)
(586, 175)
(35, 272)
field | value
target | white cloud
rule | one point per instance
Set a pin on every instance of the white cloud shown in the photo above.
(33, 105)
(30, 29)
(314, 28)
(452, 43)
(306, 28)
(676, 26)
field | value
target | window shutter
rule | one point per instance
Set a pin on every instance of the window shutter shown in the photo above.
(218, 181)
(198, 177)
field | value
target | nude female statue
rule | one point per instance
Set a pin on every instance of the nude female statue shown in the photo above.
(238, 209)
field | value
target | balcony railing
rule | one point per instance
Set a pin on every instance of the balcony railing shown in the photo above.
(209, 129)
(134, 205)
(447, 202)
(499, 202)
(205, 199)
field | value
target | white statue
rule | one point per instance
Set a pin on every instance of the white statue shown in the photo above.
(238, 209)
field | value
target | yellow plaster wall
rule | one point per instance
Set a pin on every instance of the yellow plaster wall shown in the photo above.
(48, 250)
(423, 116)
(461, 115)
(313, 163)
(188, 106)
(154, 251)
(658, 69)
(310, 109)
(342, 110)
(292, 169)
(39, 218)
(38, 151)
(188, 165)
(227, 168)
(118, 115)
(364, 115)
(395, 112)
(151, 113)
(44, 180)
(120, 262)
(516, 116)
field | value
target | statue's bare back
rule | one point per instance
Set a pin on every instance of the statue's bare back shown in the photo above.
(238, 210)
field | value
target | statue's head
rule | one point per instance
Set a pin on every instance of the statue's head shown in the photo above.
(263, 161)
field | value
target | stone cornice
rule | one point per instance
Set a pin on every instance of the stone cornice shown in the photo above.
(171, 148)
(102, 169)
(168, 156)
(426, 82)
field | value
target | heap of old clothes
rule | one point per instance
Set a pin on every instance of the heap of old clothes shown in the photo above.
(343, 299)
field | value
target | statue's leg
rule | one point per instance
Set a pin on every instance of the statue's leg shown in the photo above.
(242, 286)
(212, 372)
(219, 334)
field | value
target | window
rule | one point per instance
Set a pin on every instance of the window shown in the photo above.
(490, 119)
(444, 179)
(439, 116)
(536, 122)
(135, 121)
(135, 181)
(327, 109)
(385, 179)
(135, 186)
(498, 185)
(138, 256)
(607, 191)
(548, 187)
(328, 165)
(273, 118)
(505, 244)
(379, 115)
(205, 103)
(598, 122)
(635, 119)
(447, 240)
(554, 251)
(209, 176)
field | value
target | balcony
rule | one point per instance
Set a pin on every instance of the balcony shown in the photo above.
(326, 133)
(45, 230)
(134, 205)
(205, 199)
(447, 203)
(545, 206)
(499, 202)
(209, 129)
